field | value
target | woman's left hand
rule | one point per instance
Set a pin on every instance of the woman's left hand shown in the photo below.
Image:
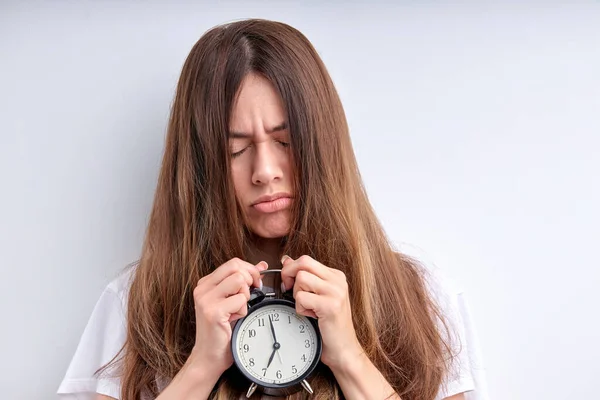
(322, 293)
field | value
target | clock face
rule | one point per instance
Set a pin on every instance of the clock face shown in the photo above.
(281, 362)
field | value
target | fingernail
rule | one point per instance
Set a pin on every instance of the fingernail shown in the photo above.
(285, 257)
(262, 265)
(261, 285)
(282, 287)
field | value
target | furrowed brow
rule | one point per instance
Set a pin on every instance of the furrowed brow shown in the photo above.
(242, 135)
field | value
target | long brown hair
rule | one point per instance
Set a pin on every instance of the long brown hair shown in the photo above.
(196, 225)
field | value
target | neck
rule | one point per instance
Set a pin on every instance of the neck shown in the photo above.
(268, 250)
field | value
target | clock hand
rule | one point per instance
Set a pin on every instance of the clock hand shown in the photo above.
(272, 329)
(271, 358)
(275, 339)
(279, 354)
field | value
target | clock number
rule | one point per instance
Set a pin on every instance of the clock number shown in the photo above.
(276, 317)
(294, 370)
(251, 361)
(302, 329)
(264, 372)
(304, 357)
(307, 343)
(278, 374)
(246, 348)
(252, 333)
(261, 322)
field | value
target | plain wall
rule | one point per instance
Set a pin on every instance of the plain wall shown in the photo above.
(476, 128)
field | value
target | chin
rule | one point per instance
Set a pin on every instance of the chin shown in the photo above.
(270, 233)
(271, 228)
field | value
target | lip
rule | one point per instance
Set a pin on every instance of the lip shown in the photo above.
(272, 203)
(271, 197)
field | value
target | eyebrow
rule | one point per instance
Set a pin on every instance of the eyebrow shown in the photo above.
(241, 135)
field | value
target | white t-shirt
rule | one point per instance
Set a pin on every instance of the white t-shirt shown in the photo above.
(105, 334)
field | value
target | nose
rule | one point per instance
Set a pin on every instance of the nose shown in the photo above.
(266, 166)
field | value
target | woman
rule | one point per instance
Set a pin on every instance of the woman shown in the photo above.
(259, 172)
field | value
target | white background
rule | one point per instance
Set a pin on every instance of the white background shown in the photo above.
(476, 128)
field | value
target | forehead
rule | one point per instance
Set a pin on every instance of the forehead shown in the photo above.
(258, 106)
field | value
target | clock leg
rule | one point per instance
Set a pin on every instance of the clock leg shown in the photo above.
(306, 386)
(251, 390)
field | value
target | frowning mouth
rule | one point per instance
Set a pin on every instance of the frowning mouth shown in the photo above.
(272, 203)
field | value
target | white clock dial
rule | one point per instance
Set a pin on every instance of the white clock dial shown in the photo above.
(255, 344)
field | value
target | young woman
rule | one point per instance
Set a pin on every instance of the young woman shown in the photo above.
(259, 172)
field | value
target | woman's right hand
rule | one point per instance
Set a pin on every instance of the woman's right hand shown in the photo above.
(220, 299)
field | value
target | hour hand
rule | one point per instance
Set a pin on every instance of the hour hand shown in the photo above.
(271, 358)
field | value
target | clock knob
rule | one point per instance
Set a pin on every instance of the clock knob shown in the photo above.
(256, 296)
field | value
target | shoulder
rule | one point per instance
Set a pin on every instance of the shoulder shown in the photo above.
(445, 290)
(120, 284)
(112, 303)
(100, 342)
(466, 371)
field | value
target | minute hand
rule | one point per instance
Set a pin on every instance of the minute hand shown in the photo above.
(276, 345)
(272, 329)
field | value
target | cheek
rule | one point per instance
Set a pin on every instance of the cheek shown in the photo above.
(239, 179)
(288, 165)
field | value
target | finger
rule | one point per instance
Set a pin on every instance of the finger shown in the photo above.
(221, 272)
(308, 282)
(290, 268)
(236, 265)
(308, 304)
(255, 273)
(236, 316)
(235, 306)
(238, 282)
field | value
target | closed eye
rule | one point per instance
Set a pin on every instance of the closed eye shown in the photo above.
(239, 153)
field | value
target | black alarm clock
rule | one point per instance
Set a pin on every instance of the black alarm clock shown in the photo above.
(275, 348)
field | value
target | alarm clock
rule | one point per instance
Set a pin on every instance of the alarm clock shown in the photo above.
(274, 347)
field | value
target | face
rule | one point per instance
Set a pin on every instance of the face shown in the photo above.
(298, 350)
(261, 163)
